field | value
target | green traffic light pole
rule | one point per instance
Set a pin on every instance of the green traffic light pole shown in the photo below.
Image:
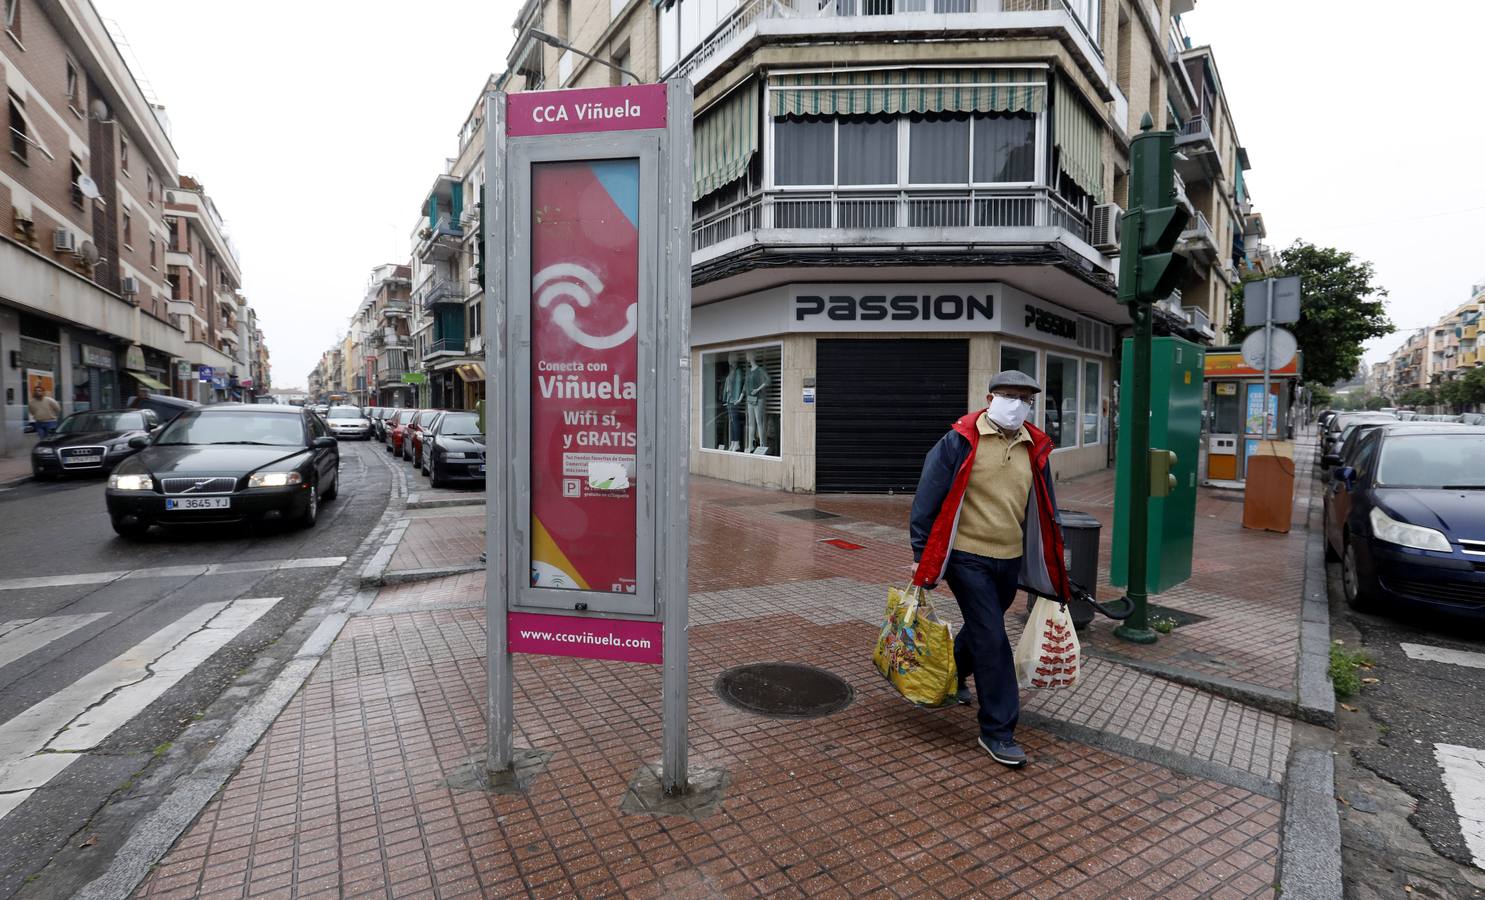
(1148, 270)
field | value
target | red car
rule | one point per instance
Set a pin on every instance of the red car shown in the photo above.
(423, 426)
(397, 429)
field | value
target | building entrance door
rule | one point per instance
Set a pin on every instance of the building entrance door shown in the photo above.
(881, 406)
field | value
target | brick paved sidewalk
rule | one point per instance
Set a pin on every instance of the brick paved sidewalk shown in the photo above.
(14, 469)
(1140, 787)
(440, 538)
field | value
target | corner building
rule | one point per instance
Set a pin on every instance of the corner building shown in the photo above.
(893, 200)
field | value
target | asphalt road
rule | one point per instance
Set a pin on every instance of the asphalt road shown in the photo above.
(109, 649)
(1409, 747)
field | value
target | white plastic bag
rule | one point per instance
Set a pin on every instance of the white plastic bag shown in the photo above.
(1048, 655)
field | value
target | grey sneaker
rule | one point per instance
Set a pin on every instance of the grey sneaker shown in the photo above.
(1004, 752)
(963, 696)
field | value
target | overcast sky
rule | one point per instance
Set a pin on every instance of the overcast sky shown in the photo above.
(319, 134)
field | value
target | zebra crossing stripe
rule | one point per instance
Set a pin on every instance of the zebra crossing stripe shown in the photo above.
(19, 637)
(1444, 655)
(48, 737)
(1464, 777)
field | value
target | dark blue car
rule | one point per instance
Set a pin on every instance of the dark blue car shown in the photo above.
(1405, 515)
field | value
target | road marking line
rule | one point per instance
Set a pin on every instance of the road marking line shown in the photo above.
(10, 801)
(1464, 776)
(20, 637)
(1445, 655)
(314, 562)
(48, 737)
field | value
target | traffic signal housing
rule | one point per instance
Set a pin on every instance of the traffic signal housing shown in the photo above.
(1149, 267)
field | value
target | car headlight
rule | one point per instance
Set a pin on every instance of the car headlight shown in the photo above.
(131, 482)
(118, 448)
(454, 454)
(273, 479)
(40, 450)
(1386, 528)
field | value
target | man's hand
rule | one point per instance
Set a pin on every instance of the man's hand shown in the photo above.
(913, 573)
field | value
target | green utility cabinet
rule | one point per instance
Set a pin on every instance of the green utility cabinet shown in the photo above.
(1175, 424)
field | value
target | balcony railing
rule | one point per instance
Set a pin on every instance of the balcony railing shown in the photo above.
(397, 309)
(390, 376)
(751, 12)
(1196, 128)
(874, 210)
(446, 345)
(444, 233)
(438, 290)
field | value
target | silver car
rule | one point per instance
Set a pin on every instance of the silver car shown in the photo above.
(348, 422)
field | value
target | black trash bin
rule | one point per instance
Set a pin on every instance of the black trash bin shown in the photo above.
(1080, 541)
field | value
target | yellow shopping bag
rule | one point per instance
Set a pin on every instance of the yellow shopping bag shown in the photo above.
(915, 650)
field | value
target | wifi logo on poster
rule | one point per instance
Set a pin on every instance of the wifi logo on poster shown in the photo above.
(571, 281)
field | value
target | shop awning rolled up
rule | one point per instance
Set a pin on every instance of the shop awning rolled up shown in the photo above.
(724, 139)
(873, 92)
(148, 380)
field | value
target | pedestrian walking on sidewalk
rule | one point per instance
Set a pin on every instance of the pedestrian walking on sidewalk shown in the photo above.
(984, 520)
(44, 411)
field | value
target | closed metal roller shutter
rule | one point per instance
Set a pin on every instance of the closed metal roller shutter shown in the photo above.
(880, 407)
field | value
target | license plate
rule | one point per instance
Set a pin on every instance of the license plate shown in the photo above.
(199, 503)
(90, 458)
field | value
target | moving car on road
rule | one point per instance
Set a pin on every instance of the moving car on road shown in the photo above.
(348, 422)
(226, 463)
(1406, 516)
(455, 450)
(90, 443)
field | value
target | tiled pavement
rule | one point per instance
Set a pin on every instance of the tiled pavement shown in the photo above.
(348, 793)
(439, 538)
(15, 468)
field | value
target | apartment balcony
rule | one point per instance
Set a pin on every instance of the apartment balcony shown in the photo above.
(436, 291)
(1198, 241)
(439, 239)
(177, 306)
(445, 347)
(390, 377)
(1469, 358)
(1469, 332)
(1196, 151)
(391, 340)
(397, 309)
(756, 22)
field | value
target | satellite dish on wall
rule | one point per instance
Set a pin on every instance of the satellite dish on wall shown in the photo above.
(89, 253)
(100, 111)
(88, 187)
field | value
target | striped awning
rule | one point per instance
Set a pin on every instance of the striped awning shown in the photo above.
(1079, 137)
(894, 91)
(724, 139)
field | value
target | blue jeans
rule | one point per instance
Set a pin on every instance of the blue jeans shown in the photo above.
(44, 429)
(985, 589)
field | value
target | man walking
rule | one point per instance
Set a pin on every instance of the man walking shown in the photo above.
(44, 411)
(984, 520)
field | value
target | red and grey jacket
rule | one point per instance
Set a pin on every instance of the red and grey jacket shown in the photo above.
(940, 497)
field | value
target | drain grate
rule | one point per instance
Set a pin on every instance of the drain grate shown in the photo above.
(1180, 616)
(784, 690)
(809, 514)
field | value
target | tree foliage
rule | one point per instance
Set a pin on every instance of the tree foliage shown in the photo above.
(1464, 391)
(1340, 309)
(1418, 397)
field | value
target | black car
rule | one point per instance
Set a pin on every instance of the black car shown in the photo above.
(226, 463)
(1335, 430)
(164, 406)
(90, 443)
(455, 450)
(1405, 514)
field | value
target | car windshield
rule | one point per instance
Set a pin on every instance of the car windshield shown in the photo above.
(426, 417)
(346, 412)
(1438, 461)
(459, 425)
(273, 429)
(101, 421)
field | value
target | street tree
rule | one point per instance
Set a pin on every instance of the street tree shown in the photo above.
(1341, 308)
(1418, 397)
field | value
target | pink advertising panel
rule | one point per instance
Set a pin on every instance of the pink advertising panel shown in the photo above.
(622, 640)
(582, 110)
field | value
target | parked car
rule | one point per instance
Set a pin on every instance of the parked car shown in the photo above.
(412, 443)
(1330, 440)
(90, 443)
(348, 422)
(456, 450)
(397, 430)
(1406, 517)
(379, 416)
(1324, 418)
(1473, 418)
(226, 463)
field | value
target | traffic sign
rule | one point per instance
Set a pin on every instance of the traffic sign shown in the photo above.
(1282, 347)
(205, 373)
(1286, 301)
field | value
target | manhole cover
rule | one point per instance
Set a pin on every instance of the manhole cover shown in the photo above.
(784, 690)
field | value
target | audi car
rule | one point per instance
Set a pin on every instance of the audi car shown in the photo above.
(348, 422)
(455, 450)
(1405, 514)
(226, 463)
(90, 443)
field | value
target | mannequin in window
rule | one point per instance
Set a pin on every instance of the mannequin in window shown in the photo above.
(733, 390)
(757, 388)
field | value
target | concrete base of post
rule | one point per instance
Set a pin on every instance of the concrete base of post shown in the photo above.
(1136, 635)
(647, 797)
(473, 774)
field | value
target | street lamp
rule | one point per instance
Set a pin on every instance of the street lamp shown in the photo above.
(552, 40)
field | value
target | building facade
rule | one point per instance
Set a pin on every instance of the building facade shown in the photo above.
(389, 293)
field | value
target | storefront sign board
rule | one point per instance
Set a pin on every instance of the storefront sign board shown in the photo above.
(97, 357)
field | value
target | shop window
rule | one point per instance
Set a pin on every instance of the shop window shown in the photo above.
(1092, 397)
(741, 403)
(1061, 392)
(1023, 360)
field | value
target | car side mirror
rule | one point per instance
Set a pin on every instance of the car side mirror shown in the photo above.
(1347, 476)
(139, 442)
(323, 443)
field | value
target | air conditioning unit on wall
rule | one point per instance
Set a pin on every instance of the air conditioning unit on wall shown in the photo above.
(64, 240)
(129, 286)
(1106, 220)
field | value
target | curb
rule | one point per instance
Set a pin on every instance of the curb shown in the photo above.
(375, 574)
(1316, 695)
(415, 501)
(409, 576)
(1254, 695)
(15, 482)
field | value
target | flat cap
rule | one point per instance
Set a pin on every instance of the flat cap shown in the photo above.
(1014, 378)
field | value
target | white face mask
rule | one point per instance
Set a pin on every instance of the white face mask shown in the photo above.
(1008, 413)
